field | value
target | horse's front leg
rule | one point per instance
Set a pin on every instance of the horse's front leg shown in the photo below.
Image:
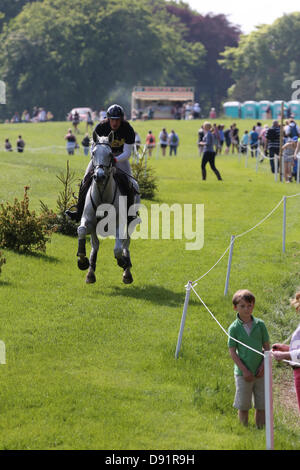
(91, 278)
(83, 262)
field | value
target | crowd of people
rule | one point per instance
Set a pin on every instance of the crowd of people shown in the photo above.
(261, 141)
(166, 139)
(37, 115)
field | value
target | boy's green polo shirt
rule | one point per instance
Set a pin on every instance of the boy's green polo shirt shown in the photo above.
(258, 336)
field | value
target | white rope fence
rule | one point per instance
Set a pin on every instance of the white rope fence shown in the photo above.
(267, 354)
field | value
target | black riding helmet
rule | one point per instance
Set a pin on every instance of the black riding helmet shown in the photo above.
(115, 112)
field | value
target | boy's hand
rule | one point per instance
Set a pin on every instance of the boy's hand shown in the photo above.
(248, 376)
(260, 371)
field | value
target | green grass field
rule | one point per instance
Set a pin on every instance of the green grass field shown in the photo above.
(92, 366)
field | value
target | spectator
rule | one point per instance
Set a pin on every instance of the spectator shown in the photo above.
(227, 135)
(212, 113)
(253, 142)
(196, 111)
(173, 142)
(102, 114)
(20, 144)
(235, 141)
(273, 143)
(258, 128)
(291, 129)
(248, 364)
(7, 146)
(288, 149)
(200, 139)
(163, 141)
(221, 137)
(76, 121)
(49, 116)
(216, 138)
(89, 121)
(262, 136)
(244, 142)
(292, 352)
(42, 115)
(209, 153)
(137, 141)
(86, 144)
(150, 113)
(71, 142)
(25, 116)
(150, 143)
(269, 113)
(35, 113)
(15, 118)
(187, 111)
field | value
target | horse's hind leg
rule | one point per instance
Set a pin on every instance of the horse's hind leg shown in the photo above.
(91, 278)
(127, 276)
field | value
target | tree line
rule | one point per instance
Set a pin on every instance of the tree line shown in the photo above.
(58, 54)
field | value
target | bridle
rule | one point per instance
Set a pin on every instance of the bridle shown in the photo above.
(107, 171)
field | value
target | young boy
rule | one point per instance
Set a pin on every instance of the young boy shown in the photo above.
(249, 365)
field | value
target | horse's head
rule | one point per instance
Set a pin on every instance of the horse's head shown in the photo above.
(102, 160)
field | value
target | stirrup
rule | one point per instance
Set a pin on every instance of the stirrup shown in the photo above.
(72, 214)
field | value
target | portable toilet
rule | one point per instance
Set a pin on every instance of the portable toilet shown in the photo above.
(277, 109)
(294, 108)
(265, 109)
(232, 109)
(249, 110)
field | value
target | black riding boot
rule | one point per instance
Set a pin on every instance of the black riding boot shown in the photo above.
(127, 189)
(84, 187)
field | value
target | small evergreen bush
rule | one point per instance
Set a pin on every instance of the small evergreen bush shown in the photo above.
(146, 178)
(66, 198)
(21, 229)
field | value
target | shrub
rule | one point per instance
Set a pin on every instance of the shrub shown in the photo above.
(65, 199)
(2, 261)
(21, 229)
(146, 178)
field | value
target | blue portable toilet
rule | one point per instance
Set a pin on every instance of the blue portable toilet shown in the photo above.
(265, 109)
(294, 107)
(277, 109)
(232, 109)
(249, 110)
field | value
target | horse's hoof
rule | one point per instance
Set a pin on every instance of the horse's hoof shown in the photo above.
(90, 278)
(83, 263)
(127, 277)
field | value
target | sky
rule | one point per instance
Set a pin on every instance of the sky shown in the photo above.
(246, 14)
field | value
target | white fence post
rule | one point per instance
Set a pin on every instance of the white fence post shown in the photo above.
(269, 401)
(229, 265)
(284, 224)
(276, 167)
(186, 302)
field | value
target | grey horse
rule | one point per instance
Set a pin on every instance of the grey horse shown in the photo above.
(104, 195)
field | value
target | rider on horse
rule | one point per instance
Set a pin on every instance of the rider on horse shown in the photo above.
(124, 138)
